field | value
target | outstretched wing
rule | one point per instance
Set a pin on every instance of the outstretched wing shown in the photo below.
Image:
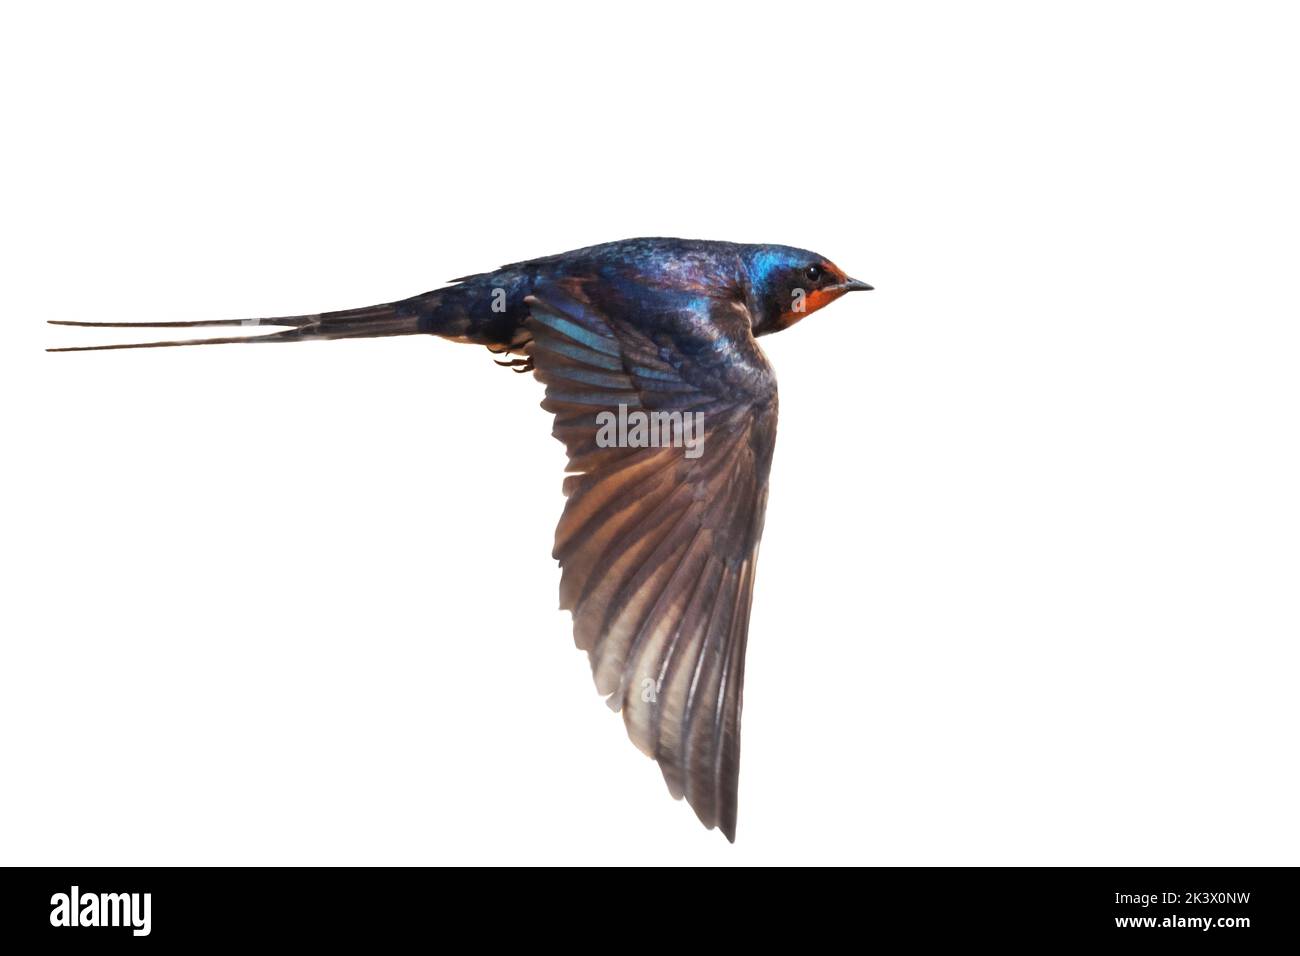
(658, 544)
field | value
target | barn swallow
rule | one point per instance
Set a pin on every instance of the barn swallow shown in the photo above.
(657, 547)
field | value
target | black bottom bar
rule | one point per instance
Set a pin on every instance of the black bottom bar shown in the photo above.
(1226, 907)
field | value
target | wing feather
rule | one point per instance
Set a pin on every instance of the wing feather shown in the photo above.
(657, 550)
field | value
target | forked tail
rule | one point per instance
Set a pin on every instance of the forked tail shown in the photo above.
(394, 318)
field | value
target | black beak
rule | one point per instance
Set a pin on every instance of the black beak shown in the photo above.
(855, 285)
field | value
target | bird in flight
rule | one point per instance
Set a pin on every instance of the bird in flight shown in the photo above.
(659, 536)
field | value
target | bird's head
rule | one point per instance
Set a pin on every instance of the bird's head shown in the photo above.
(787, 284)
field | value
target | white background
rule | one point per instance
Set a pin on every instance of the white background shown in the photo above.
(1029, 583)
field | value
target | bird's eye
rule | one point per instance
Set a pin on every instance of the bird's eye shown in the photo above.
(813, 273)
